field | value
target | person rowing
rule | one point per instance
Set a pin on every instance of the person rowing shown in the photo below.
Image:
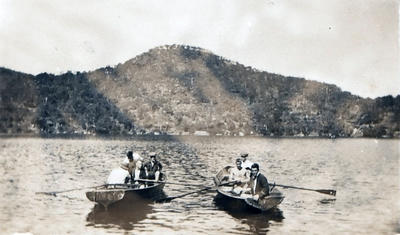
(239, 175)
(242, 168)
(246, 164)
(133, 164)
(153, 167)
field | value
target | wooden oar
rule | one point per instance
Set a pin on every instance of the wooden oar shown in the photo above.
(166, 182)
(54, 193)
(168, 199)
(324, 191)
(159, 182)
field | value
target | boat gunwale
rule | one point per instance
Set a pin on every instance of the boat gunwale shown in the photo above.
(229, 194)
(130, 187)
(254, 205)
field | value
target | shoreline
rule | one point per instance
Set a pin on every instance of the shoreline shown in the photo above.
(160, 137)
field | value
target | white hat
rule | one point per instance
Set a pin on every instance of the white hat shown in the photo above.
(136, 157)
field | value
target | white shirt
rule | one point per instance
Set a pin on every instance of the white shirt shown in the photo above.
(246, 164)
(117, 176)
(255, 183)
(136, 157)
(134, 165)
(240, 175)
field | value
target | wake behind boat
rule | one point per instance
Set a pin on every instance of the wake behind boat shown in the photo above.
(237, 202)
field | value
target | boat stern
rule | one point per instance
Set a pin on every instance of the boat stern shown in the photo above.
(105, 198)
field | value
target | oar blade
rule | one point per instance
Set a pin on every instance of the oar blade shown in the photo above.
(327, 191)
(165, 199)
(48, 193)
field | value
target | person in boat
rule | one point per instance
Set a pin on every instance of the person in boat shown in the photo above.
(153, 167)
(133, 164)
(238, 173)
(240, 176)
(258, 183)
(246, 164)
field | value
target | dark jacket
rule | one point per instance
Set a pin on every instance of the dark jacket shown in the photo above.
(262, 186)
(153, 168)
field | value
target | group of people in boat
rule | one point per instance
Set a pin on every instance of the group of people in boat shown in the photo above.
(247, 178)
(138, 169)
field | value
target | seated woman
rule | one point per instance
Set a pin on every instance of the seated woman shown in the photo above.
(239, 175)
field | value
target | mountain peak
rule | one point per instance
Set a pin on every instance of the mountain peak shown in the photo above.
(181, 89)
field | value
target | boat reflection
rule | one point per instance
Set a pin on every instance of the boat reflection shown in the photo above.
(123, 214)
(257, 221)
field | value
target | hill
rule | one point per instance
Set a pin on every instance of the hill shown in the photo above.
(187, 90)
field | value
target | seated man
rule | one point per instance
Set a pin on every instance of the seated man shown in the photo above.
(132, 164)
(153, 167)
(258, 183)
(245, 162)
(238, 174)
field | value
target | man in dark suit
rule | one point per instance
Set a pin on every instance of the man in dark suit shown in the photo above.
(258, 183)
(153, 167)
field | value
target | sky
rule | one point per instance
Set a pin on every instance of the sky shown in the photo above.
(352, 44)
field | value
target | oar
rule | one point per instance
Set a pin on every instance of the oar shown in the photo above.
(54, 193)
(324, 191)
(166, 182)
(168, 199)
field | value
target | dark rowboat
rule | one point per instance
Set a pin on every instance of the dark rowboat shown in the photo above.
(111, 193)
(232, 201)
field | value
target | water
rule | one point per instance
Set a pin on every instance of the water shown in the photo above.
(365, 173)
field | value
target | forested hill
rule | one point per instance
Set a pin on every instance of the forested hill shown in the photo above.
(187, 90)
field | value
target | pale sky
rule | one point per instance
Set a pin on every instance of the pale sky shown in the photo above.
(352, 44)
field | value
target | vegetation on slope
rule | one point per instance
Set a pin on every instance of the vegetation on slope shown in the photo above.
(184, 90)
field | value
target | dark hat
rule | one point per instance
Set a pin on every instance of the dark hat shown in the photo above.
(244, 155)
(152, 154)
(130, 154)
(238, 160)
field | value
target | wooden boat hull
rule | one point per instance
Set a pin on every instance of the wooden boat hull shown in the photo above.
(105, 196)
(112, 193)
(234, 202)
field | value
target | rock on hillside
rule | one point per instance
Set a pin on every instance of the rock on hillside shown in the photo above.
(187, 90)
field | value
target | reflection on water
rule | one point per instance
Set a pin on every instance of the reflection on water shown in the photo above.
(123, 214)
(365, 173)
(258, 222)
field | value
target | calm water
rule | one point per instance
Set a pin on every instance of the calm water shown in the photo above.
(365, 173)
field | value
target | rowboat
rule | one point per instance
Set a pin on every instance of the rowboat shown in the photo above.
(111, 193)
(232, 201)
